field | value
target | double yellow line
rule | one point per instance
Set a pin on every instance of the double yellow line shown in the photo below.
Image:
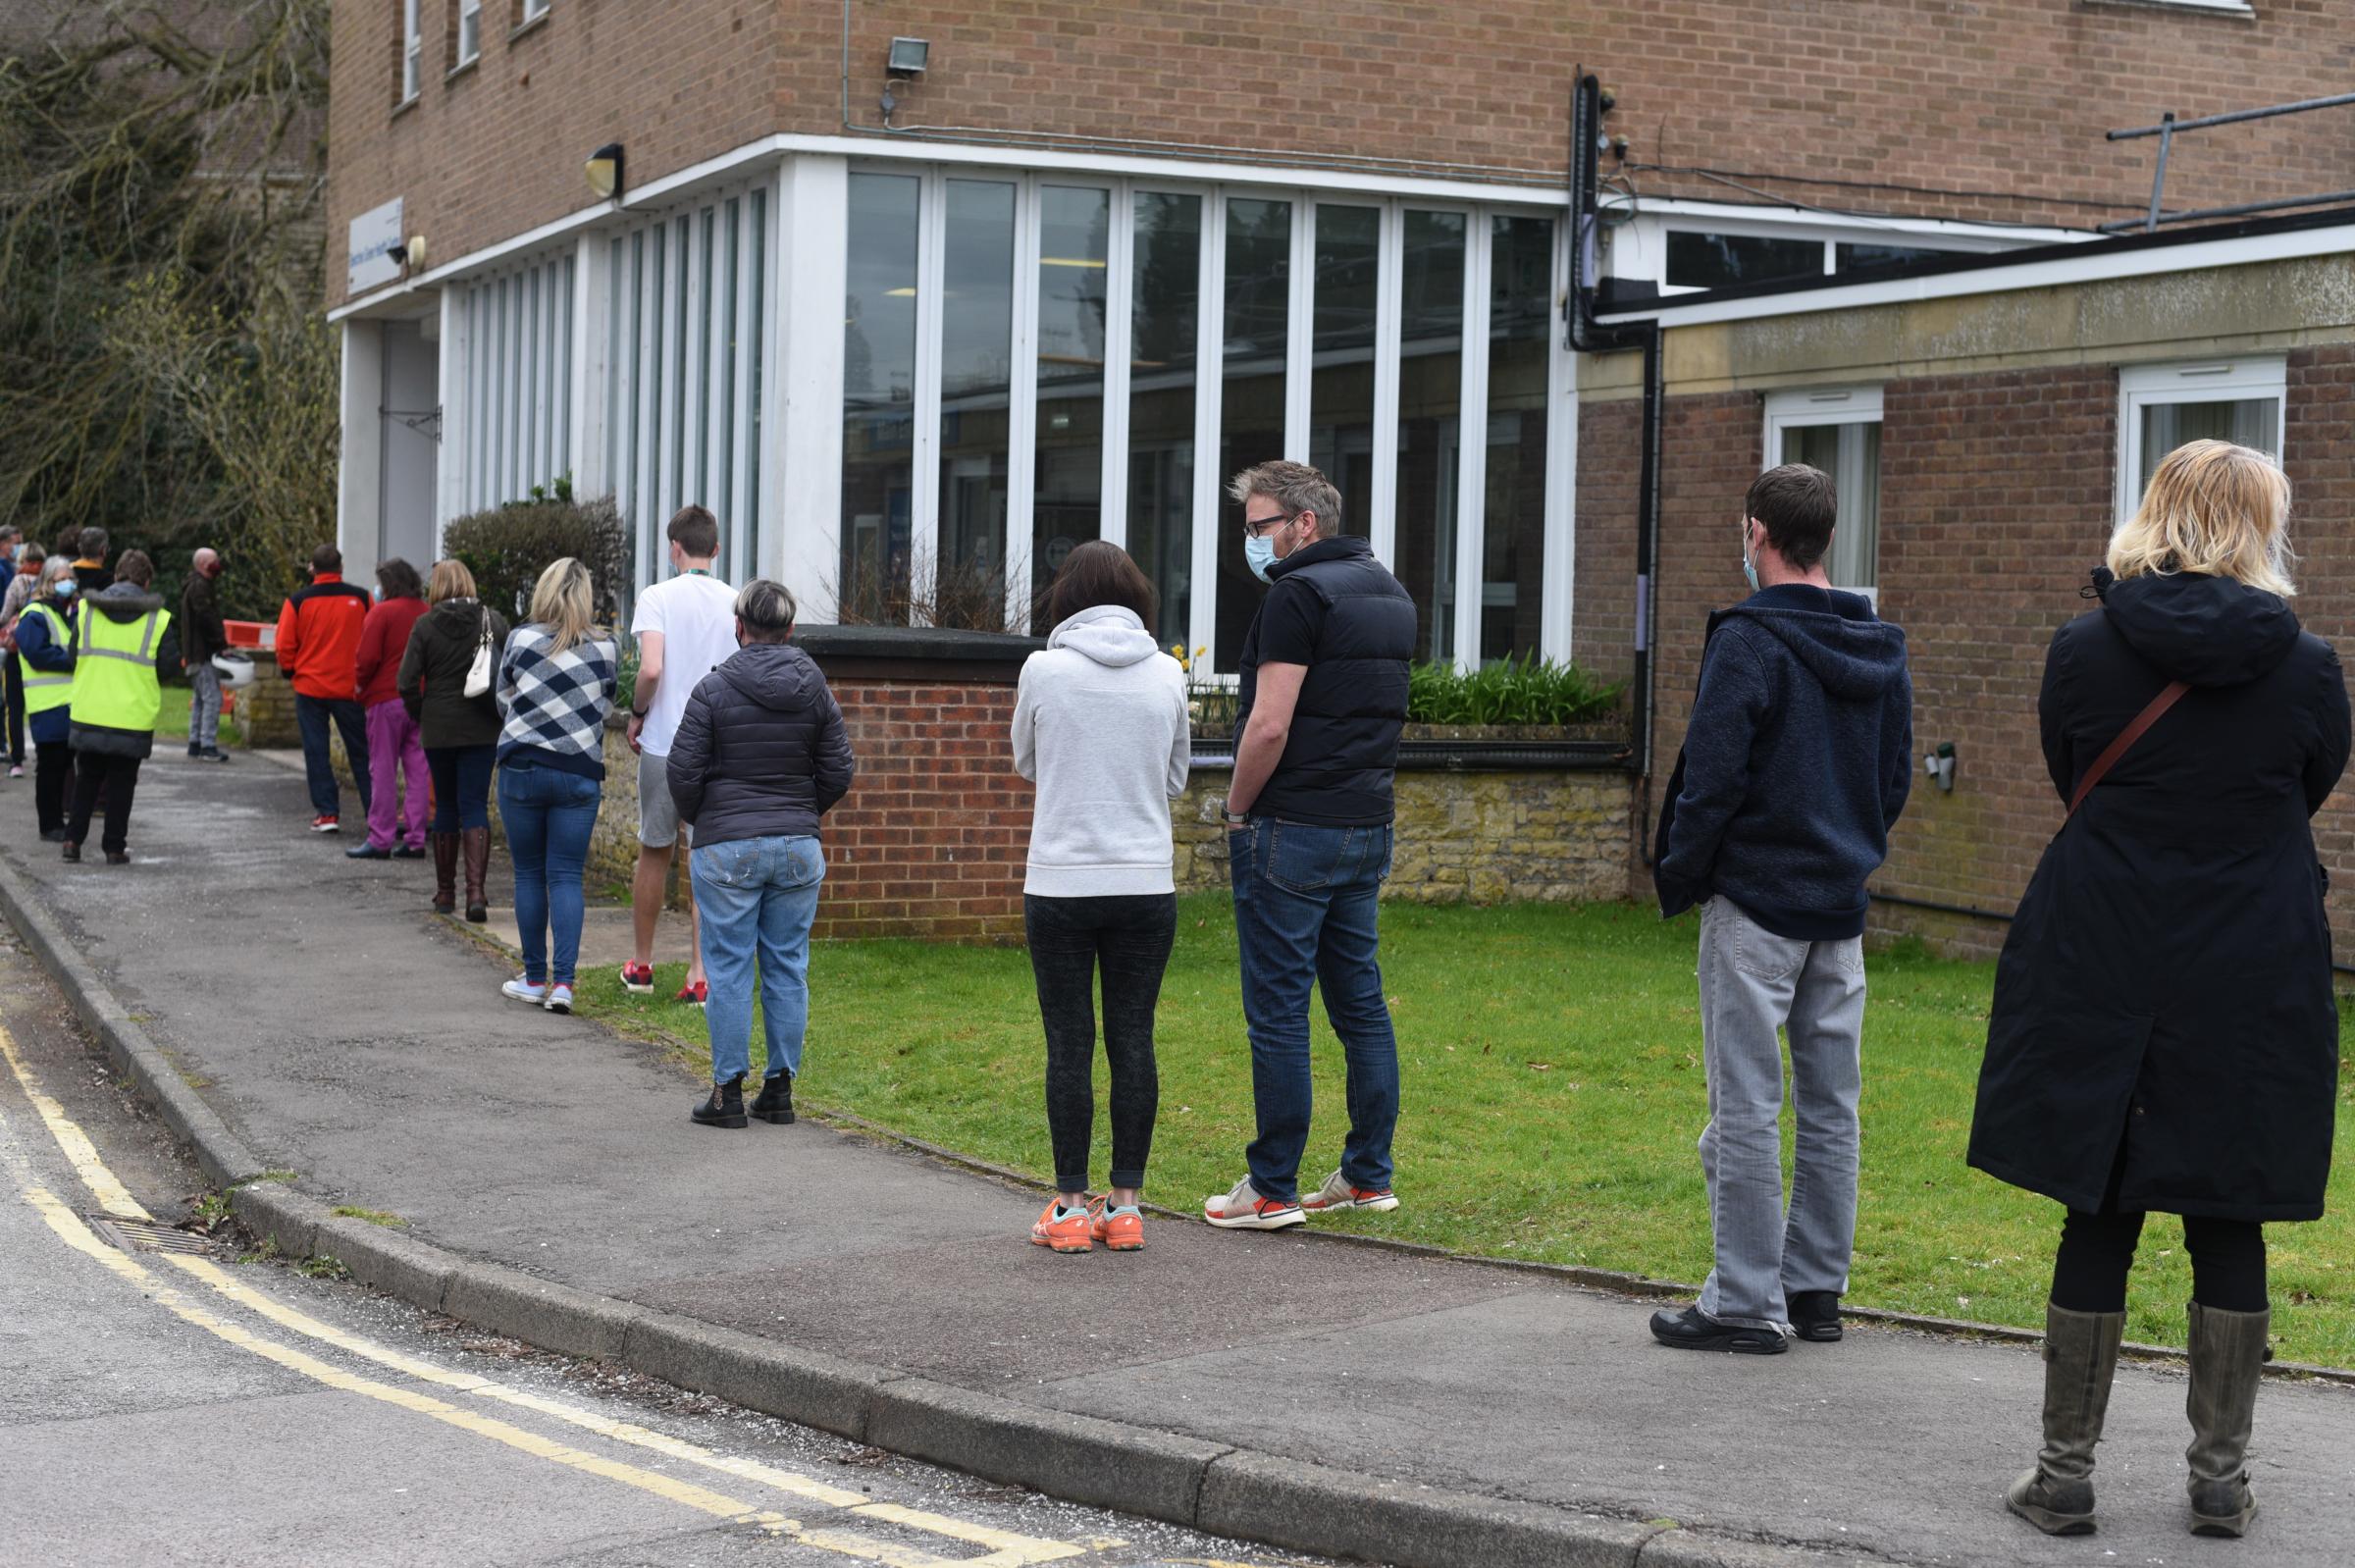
(1006, 1549)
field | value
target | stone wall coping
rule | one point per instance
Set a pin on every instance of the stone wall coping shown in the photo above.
(1473, 757)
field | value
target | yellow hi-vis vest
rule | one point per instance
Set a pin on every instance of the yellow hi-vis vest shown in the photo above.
(114, 669)
(45, 689)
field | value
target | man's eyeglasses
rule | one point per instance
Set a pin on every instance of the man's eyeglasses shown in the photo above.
(1253, 527)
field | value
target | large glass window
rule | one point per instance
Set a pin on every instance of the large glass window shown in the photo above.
(1430, 373)
(1341, 398)
(1837, 430)
(1513, 515)
(1074, 237)
(1702, 260)
(1258, 281)
(878, 373)
(1163, 334)
(2167, 406)
(519, 384)
(970, 573)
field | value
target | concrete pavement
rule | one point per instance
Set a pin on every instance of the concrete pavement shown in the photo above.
(348, 1037)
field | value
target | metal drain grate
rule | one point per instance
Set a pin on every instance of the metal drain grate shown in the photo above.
(145, 1236)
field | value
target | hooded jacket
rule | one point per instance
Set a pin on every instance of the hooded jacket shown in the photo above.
(1100, 726)
(1796, 762)
(2163, 1035)
(120, 603)
(433, 675)
(319, 638)
(761, 751)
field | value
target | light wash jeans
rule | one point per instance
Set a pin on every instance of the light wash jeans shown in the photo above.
(757, 897)
(204, 706)
(1752, 982)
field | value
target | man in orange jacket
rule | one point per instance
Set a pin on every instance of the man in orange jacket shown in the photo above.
(319, 650)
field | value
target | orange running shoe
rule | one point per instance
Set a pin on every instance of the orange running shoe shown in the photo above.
(1066, 1232)
(1120, 1230)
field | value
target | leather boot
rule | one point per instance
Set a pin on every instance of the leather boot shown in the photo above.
(445, 872)
(2227, 1357)
(2081, 1356)
(775, 1104)
(475, 843)
(725, 1107)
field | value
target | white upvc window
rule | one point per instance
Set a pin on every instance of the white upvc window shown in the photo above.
(470, 31)
(412, 48)
(1682, 246)
(517, 406)
(533, 10)
(2243, 398)
(1838, 430)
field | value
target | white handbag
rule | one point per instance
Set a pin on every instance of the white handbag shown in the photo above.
(478, 673)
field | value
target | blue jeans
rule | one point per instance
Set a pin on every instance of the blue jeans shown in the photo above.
(311, 716)
(461, 776)
(1305, 912)
(756, 898)
(548, 815)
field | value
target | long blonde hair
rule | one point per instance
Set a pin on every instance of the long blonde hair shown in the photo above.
(562, 603)
(2214, 509)
(451, 580)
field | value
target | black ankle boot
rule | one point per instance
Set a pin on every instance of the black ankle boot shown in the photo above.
(725, 1107)
(776, 1100)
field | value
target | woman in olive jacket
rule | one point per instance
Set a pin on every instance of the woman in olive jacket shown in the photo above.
(2165, 1036)
(459, 733)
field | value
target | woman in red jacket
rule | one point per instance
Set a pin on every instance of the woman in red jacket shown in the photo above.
(394, 755)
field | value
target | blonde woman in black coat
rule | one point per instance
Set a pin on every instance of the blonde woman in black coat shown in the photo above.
(2164, 1036)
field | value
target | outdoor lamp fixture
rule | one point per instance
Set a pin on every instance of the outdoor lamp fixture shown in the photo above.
(904, 63)
(408, 254)
(605, 172)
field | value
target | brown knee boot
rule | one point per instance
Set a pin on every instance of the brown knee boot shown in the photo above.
(445, 873)
(476, 843)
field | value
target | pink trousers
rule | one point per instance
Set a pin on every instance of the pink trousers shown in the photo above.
(395, 752)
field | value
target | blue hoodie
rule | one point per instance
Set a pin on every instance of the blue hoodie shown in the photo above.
(1795, 763)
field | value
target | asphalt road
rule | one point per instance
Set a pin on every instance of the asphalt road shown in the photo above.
(159, 1407)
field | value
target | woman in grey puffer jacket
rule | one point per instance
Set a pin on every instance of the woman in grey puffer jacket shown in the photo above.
(760, 756)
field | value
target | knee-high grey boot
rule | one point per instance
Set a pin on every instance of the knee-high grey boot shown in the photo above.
(2081, 1356)
(2227, 1357)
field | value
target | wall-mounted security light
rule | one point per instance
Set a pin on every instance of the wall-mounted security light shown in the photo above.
(907, 59)
(605, 172)
(408, 254)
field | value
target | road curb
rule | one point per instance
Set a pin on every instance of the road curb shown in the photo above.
(1185, 1480)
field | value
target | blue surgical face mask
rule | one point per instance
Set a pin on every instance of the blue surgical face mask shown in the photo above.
(66, 587)
(1259, 550)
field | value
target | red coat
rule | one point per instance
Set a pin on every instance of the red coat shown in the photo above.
(319, 636)
(384, 638)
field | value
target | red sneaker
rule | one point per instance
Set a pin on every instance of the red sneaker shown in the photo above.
(326, 824)
(638, 977)
(695, 995)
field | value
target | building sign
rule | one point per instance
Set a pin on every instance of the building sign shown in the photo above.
(369, 262)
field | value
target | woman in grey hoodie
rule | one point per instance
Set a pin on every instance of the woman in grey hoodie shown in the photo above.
(1100, 727)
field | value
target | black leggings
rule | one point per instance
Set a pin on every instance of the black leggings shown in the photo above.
(2089, 1272)
(108, 782)
(1130, 937)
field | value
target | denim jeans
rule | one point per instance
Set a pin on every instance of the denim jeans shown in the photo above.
(204, 706)
(548, 815)
(1753, 982)
(757, 897)
(1305, 912)
(1129, 937)
(461, 776)
(311, 716)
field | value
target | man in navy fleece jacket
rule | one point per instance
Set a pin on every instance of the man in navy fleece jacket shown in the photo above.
(1796, 764)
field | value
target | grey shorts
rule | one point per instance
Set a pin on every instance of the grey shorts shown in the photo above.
(659, 826)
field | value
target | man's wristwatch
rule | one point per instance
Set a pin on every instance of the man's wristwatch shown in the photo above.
(1235, 821)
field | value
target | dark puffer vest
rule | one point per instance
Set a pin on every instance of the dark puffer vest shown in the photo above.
(1342, 752)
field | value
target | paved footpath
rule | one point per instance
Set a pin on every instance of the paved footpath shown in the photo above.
(349, 1036)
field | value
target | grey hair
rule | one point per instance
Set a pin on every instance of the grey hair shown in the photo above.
(56, 569)
(767, 609)
(1294, 487)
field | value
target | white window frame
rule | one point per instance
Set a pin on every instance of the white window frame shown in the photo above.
(1639, 247)
(1804, 407)
(2236, 378)
(412, 50)
(470, 31)
(533, 10)
(2233, 8)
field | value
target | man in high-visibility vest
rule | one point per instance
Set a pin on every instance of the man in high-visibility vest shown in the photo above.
(45, 648)
(123, 633)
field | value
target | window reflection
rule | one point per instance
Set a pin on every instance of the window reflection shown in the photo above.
(1073, 246)
(1513, 515)
(1431, 368)
(878, 415)
(1341, 400)
(1257, 324)
(1166, 313)
(976, 388)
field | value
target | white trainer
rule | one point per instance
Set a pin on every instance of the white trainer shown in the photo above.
(1243, 1209)
(1336, 1196)
(520, 989)
(559, 998)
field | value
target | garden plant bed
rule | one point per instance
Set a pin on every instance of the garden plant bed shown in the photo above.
(1553, 1093)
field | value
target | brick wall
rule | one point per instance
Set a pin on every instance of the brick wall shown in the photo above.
(1992, 109)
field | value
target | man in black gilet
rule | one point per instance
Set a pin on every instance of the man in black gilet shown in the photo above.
(1308, 837)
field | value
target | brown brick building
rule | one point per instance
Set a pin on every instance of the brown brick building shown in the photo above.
(1094, 256)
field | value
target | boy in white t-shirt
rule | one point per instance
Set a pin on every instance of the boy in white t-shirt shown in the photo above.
(684, 626)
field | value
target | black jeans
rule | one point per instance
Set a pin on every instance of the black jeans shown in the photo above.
(2089, 1272)
(462, 777)
(114, 777)
(52, 782)
(312, 714)
(1131, 938)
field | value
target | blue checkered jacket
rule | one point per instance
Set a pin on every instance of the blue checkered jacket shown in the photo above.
(551, 705)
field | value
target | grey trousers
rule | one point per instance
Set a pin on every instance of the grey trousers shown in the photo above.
(204, 705)
(1753, 982)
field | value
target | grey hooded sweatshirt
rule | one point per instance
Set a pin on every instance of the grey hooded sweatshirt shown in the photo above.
(1100, 727)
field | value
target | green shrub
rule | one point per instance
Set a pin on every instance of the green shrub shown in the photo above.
(509, 548)
(1523, 690)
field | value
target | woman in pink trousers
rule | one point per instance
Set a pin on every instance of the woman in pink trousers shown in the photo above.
(394, 753)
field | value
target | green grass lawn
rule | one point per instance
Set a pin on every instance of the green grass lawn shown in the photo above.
(1553, 1093)
(173, 721)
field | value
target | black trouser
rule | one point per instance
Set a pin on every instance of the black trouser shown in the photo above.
(1130, 937)
(114, 777)
(2089, 1272)
(16, 709)
(52, 782)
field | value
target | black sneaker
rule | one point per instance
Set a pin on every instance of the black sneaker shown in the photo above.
(55, 835)
(725, 1107)
(118, 856)
(212, 753)
(1815, 1316)
(776, 1100)
(72, 850)
(364, 851)
(1694, 1329)
(195, 749)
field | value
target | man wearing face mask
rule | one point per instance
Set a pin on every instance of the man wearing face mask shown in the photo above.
(1796, 764)
(1308, 834)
